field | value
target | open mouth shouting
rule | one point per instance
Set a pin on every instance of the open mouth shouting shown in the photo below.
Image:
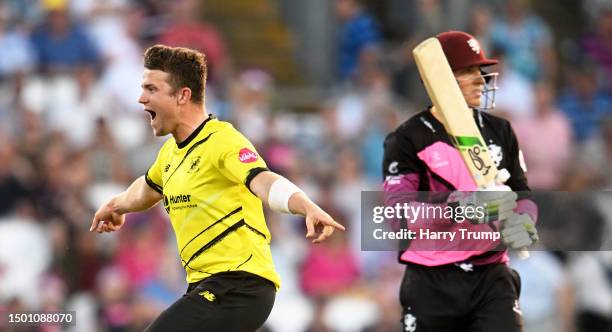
(151, 113)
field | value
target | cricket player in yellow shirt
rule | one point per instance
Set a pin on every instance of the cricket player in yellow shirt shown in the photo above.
(212, 182)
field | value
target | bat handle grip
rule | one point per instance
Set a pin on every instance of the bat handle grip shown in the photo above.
(523, 253)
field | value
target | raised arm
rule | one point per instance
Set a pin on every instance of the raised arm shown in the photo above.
(283, 196)
(138, 196)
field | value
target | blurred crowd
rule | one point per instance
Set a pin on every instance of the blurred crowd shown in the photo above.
(72, 134)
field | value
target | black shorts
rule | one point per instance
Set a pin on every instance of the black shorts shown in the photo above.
(451, 298)
(229, 301)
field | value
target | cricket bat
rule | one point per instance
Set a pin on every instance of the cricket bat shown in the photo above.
(457, 118)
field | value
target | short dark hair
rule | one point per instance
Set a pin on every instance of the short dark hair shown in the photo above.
(187, 68)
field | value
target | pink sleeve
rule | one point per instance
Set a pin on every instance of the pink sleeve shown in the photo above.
(527, 206)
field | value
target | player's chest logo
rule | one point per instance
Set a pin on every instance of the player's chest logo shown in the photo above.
(194, 164)
(410, 323)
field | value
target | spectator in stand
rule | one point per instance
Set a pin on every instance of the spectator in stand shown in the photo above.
(480, 25)
(61, 44)
(17, 56)
(589, 273)
(527, 40)
(359, 36)
(138, 254)
(592, 169)
(116, 27)
(329, 269)
(186, 29)
(13, 190)
(598, 44)
(104, 22)
(536, 134)
(250, 109)
(584, 103)
(546, 299)
(512, 84)
(115, 297)
(16, 61)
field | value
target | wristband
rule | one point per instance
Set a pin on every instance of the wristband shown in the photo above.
(280, 192)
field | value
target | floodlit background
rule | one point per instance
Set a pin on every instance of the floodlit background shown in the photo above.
(315, 85)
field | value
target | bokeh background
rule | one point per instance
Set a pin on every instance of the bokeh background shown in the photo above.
(315, 85)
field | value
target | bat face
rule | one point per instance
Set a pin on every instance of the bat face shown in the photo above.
(457, 118)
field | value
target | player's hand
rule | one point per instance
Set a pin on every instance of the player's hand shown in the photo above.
(498, 203)
(519, 231)
(106, 220)
(320, 225)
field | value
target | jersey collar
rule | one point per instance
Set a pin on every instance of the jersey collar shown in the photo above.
(195, 133)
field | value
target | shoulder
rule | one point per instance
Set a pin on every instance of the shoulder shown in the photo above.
(414, 124)
(495, 121)
(167, 146)
(225, 136)
(222, 130)
(411, 133)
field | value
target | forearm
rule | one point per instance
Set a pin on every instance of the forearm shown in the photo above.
(137, 197)
(284, 196)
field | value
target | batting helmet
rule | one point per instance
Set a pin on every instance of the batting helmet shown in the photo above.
(462, 50)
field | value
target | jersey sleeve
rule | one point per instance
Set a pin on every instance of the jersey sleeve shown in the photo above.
(518, 180)
(238, 160)
(153, 177)
(401, 169)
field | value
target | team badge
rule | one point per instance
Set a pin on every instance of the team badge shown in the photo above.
(474, 45)
(393, 167)
(496, 154)
(247, 156)
(194, 164)
(410, 323)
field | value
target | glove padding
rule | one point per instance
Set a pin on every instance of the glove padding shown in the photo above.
(519, 231)
(498, 202)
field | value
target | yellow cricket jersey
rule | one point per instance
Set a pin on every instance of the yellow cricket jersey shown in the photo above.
(219, 223)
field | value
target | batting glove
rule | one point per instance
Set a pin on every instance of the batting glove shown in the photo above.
(519, 231)
(494, 203)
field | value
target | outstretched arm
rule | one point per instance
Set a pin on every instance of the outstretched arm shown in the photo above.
(139, 196)
(283, 196)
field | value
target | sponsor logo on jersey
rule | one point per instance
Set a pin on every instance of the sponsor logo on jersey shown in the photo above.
(393, 179)
(247, 156)
(166, 168)
(437, 161)
(175, 199)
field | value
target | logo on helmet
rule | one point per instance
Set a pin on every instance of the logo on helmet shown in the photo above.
(474, 45)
